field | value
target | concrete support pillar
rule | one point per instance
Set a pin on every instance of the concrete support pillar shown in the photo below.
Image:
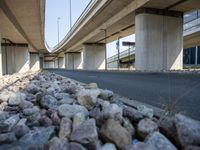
(48, 64)
(159, 39)
(94, 57)
(1, 59)
(41, 62)
(73, 60)
(61, 62)
(34, 61)
(56, 63)
(15, 58)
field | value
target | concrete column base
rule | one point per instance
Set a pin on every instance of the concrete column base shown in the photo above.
(73, 60)
(34, 61)
(15, 59)
(94, 57)
(61, 62)
(159, 40)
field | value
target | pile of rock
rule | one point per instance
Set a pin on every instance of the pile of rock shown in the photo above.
(47, 111)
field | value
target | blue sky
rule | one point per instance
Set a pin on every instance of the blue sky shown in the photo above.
(60, 8)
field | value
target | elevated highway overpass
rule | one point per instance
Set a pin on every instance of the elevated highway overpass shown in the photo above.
(21, 35)
(158, 25)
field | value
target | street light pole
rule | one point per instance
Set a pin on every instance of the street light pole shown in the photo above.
(118, 53)
(70, 13)
(58, 19)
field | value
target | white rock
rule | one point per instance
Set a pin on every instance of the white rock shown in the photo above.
(108, 146)
(145, 111)
(67, 110)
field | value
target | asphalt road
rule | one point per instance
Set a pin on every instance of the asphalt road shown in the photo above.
(156, 89)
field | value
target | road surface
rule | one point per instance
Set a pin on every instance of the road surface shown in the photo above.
(156, 89)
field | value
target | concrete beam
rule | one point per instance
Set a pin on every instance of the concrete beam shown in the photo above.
(94, 57)
(159, 41)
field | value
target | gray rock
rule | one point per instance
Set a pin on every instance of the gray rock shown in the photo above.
(60, 96)
(3, 106)
(30, 97)
(4, 127)
(88, 98)
(95, 113)
(145, 127)
(69, 111)
(36, 147)
(75, 146)
(65, 128)
(103, 103)
(31, 111)
(148, 112)
(6, 138)
(78, 119)
(25, 104)
(91, 86)
(55, 119)
(45, 121)
(48, 101)
(167, 127)
(112, 111)
(132, 114)
(128, 126)
(192, 148)
(33, 120)
(12, 121)
(188, 130)
(57, 144)
(3, 116)
(106, 95)
(39, 96)
(139, 146)
(20, 129)
(159, 142)
(113, 132)
(66, 101)
(5, 95)
(16, 99)
(32, 88)
(108, 146)
(36, 137)
(86, 134)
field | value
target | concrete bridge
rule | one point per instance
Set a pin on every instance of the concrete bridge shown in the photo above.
(158, 25)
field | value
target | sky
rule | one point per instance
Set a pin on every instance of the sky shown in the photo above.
(60, 9)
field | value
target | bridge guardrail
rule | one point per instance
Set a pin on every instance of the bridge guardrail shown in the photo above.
(122, 54)
(191, 25)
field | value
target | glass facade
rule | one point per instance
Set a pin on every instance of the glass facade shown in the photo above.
(198, 61)
(189, 55)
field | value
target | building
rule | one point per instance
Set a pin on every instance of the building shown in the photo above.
(191, 55)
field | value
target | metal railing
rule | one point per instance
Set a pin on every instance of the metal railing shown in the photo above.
(189, 26)
(191, 23)
(122, 54)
